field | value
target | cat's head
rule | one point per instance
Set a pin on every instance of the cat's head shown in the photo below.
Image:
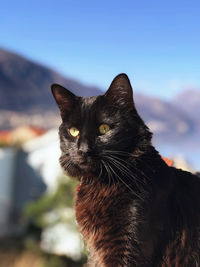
(99, 132)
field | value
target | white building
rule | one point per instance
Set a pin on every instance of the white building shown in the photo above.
(43, 156)
(19, 184)
(7, 162)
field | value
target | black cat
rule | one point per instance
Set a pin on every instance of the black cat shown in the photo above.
(132, 209)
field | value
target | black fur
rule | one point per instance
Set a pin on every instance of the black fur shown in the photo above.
(154, 209)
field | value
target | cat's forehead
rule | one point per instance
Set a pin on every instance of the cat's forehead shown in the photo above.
(92, 109)
(88, 102)
(94, 105)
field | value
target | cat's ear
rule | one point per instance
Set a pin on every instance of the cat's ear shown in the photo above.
(120, 91)
(64, 98)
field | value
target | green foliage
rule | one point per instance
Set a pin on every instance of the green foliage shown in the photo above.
(4, 144)
(54, 261)
(49, 209)
(13, 253)
(52, 209)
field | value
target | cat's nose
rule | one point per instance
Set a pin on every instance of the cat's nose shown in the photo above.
(83, 148)
(82, 153)
(82, 157)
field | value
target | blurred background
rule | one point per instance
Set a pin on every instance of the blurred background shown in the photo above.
(83, 45)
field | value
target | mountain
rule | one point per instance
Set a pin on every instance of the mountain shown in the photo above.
(25, 99)
(175, 124)
(165, 119)
(25, 92)
(189, 102)
(25, 85)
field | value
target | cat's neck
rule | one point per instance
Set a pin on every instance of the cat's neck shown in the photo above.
(145, 172)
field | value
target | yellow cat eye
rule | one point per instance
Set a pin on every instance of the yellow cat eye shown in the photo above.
(104, 128)
(74, 131)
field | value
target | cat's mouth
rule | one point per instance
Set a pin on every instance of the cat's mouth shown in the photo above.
(79, 168)
(82, 170)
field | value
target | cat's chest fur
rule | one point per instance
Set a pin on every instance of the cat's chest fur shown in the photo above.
(97, 205)
(150, 215)
(104, 214)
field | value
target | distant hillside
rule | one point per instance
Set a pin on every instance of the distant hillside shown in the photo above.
(25, 93)
(25, 85)
(165, 119)
(189, 102)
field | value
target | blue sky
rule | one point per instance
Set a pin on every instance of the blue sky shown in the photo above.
(157, 43)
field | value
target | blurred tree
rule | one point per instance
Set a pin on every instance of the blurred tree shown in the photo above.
(39, 211)
(50, 210)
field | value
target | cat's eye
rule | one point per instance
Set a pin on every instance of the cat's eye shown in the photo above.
(104, 128)
(73, 131)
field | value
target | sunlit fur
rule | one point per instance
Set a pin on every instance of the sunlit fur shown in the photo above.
(90, 151)
(132, 209)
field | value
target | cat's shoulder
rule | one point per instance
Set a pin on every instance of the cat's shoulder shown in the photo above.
(186, 176)
(187, 184)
